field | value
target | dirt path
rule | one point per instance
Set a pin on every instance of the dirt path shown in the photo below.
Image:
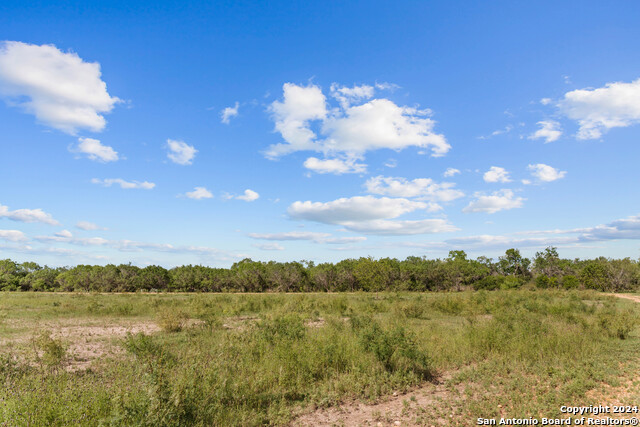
(421, 406)
(627, 296)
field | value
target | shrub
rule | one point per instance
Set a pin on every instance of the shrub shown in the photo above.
(172, 320)
(287, 326)
(570, 282)
(49, 351)
(489, 283)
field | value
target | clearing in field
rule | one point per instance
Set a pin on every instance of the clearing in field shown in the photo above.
(313, 359)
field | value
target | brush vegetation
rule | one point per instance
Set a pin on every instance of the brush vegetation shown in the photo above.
(261, 359)
(456, 272)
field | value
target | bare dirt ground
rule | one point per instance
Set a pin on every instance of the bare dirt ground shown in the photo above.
(422, 407)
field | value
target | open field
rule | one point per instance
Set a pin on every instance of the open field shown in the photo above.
(313, 359)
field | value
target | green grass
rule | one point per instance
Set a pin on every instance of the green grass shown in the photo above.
(261, 359)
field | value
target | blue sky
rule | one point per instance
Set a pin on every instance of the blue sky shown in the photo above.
(167, 133)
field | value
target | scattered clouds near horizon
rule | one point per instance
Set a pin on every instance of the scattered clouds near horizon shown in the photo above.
(95, 150)
(335, 166)
(27, 215)
(228, 113)
(307, 122)
(180, 152)
(546, 173)
(199, 193)
(550, 131)
(369, 215)
(598, 110)
(306, 235)
(496, 174)
(12, 236)
(497, 201)
(60, 89)
(127, 185)
(269, 247)
(451, 172)
(88, 226)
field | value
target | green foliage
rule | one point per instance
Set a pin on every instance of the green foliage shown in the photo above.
(49, 352)
(171, 319)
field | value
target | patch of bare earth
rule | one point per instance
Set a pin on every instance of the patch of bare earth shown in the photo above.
(419, 407)
(634, 298)
(85, 340)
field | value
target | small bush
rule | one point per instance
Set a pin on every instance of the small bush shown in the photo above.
(50, 352)
(570, 282)
(617, 324)
(489, 283)
(172, 320)
(288, 326)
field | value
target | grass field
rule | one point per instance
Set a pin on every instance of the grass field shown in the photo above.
(278, 359)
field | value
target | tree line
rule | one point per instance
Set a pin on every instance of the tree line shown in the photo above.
(456, 272)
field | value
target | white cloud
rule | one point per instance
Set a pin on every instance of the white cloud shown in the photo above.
(335, 166)
(546, 101)
(290, 235)
(269, 247)
(12, 235)
(369, 215)
(58, 88)
(347, 96)
(549, 131)
(496, 174)
(180, 152)
(397, 228)
(423, 188)
(127, 185)
(526, 181)
(598, 110)
(65, 236)
(391, 163)
(228, 113)
(248, 196)
(546, 173)
(347, 210)
(96, 151)
(87, 226)
(199, 193)
(291, 116)
(497, 201)
(27, 215)
(306, 235)
(451, 172)
(349, 129)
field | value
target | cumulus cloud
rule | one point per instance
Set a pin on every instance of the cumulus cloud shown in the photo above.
(353, 128)
(180, 152)
(88, 226)
(94, 149)
(247, 196)
(228, 113)
(27, 215)
(58, 88)
(127, 185)
(199, 193)
(422, 188)
(359, 208)
(12, 236)
(496, 174)
(369, 215)
(598, 110)
(335, 166)
(546, 173)
(347, 96)
(451, 172)
(549, 131)
(497, 201)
